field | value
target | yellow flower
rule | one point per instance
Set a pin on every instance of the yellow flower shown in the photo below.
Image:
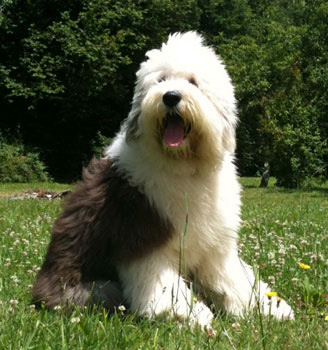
(326, 318)
(271, 294)
(194, 300)
(304, 266)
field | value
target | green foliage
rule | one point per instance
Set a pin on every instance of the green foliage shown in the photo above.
(99, 144)
(276, 70)
(69, 67)
(297, 149)
(19, 165)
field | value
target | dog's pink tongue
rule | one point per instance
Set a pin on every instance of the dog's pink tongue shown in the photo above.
(174, 132)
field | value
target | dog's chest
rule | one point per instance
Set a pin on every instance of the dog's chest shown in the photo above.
(190, 205)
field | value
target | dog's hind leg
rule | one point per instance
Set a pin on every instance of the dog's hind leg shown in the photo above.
(107, 294)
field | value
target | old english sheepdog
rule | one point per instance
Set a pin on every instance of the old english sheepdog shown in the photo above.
(160, 212)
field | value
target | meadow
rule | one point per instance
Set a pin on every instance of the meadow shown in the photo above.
(284, 236)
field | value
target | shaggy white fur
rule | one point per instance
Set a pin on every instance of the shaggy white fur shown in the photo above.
(177, 146)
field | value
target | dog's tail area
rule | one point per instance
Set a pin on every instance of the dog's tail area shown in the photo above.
(106, 294)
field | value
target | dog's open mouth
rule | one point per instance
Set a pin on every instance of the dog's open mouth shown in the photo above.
(175, 130)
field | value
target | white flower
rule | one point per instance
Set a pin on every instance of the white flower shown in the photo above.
(271, 279)
(121, 309)
(75, 319)
(271, 255)
(282, 251)
(294, 281)
(13, 302)
(235, 325)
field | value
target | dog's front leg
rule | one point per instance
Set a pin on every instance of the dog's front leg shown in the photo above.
(233, 286)
(152, 286)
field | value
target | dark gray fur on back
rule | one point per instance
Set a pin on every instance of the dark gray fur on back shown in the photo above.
(104, 221)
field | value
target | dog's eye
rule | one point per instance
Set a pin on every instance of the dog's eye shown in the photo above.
(161, 79)
(193, 82)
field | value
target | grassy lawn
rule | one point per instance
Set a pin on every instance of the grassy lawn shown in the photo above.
(7, 190)
(280, 229)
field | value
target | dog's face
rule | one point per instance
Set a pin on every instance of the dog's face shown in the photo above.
(184, 102)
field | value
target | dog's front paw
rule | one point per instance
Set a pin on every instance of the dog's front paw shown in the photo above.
(201, 315)
(277, 307)
(195, 314)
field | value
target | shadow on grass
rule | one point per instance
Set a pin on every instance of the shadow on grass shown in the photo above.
(254, 183)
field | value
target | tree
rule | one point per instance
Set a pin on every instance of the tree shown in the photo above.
(67, 72)
(281, 119)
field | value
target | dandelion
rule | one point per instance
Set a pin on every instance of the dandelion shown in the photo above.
(326, 318)
(271, 294)
(304, 266)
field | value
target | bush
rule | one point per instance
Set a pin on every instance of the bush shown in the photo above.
(99, 144)
(17, 164)
(297, 148)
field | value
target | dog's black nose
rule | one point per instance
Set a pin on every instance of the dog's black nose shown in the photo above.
(171, 98)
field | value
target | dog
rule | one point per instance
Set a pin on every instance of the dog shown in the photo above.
(156, 219)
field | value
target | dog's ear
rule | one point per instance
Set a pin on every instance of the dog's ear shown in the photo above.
(131, 126)
(152, 54)
(229, 138)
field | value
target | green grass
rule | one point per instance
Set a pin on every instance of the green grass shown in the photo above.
(280, 229)
(13, 189)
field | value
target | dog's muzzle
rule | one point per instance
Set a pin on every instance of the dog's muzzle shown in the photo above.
(175, 129)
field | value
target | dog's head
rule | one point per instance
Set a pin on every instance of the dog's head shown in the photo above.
(184, 103)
